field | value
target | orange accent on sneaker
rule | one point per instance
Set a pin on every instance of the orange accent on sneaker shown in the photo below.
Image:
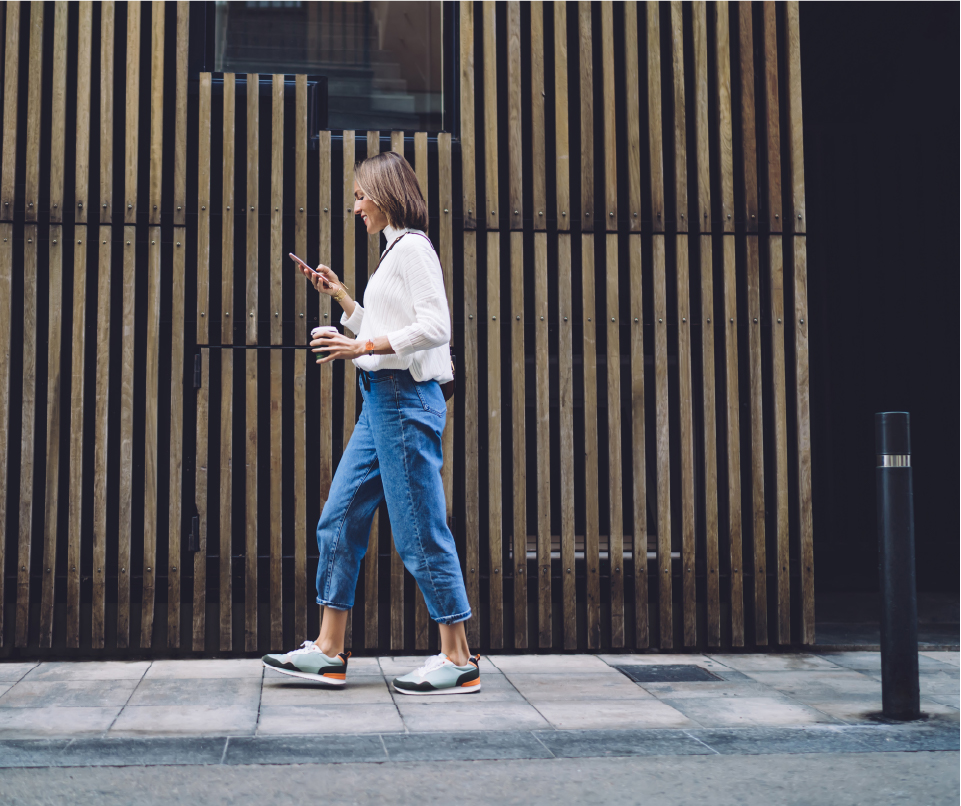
(470, 683)
(335, 675)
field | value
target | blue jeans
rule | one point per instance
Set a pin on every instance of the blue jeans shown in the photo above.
(395, 454)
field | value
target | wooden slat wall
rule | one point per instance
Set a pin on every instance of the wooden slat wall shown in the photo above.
(591, 589)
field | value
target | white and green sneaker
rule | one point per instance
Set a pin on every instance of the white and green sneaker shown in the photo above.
(440, 675)
(310, 663)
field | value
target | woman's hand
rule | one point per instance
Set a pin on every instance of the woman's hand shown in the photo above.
(336, 345)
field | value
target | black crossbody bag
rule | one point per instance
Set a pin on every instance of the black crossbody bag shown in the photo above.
(446, 388)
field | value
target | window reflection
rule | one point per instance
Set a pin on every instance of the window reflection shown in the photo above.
(383, 60)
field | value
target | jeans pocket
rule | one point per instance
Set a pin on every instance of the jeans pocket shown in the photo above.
(425, 399)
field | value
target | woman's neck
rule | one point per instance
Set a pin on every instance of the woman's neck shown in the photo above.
(390, 233)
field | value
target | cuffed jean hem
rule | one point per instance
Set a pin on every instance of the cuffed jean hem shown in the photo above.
(457, 617)
(333, 605)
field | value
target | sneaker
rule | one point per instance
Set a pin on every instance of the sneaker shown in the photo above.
(440, 675)
(310, 663)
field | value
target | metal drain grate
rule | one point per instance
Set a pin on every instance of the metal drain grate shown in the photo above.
(680, 673)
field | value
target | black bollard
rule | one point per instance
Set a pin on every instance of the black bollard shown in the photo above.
(900, 693)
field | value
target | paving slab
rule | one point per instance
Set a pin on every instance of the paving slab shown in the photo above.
(184, 720)
(12, 672)
(286, 690)
(662, 659)
(871, 661)
(30, 752)
(473, 746)
(828, 683)
(762, 741)
(22, 723)
(950, 658)
(116, 752)
(304, 749)
(774, 663)
(209, 669)
(90, 670)
(744, 711)
(913, 739)
(724, 688)
(859, 708)
(222, 692)
(310, 720)
(462, 715)
(68, 693)
(613, 743)
(606, 685)
(569, 664)
(614, 714)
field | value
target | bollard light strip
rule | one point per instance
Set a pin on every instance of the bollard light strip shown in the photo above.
(894, 460)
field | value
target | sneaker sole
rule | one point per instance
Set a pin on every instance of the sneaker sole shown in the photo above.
(452, 690)
(315, 678)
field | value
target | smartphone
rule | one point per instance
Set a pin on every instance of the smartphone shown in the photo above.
(304, 264)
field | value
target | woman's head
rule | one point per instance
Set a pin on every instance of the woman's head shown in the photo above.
(387, 192)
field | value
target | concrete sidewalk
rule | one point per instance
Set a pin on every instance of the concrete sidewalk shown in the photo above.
(531, 706)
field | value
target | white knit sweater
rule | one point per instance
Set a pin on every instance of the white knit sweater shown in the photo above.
(405, 301)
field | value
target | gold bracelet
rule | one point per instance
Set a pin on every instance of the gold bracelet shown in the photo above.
(339, 296)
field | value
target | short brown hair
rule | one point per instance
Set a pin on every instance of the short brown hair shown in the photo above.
(388, 180)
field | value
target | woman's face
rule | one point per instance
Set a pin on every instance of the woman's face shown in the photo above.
(370, 213)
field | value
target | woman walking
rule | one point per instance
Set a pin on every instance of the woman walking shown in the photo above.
(402, 357)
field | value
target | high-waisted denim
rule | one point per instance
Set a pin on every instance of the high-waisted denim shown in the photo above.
(395, 454)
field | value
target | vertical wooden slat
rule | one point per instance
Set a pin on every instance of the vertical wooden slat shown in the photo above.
(178, 290)
(250, 356)
(561, 125)
(227, 365)
(150, 427)
(446, 251)
(11, 86)
(180, 113)
(203, 337)
(702, 191)
(325, 448)
(752, 271)
(518, 439)
(565, 377)
(156, 109)
(661, 400)
(642, 636)
(102, 387)
(469, 386)
(6, 309)
(592, 505)
(30, 236)
(467, 140)
(300, 363)
(276, 362)
(490, 115)
(131, 141)
(420, 163)
(587, 117)
(515, 155)
(686, 420)
(538, 134)
(775, 256)
(371, 585)
(615, 469)
(722, 56)
(610, 131)
(54, 329)
(78, 335)
(494, 442)
(542, 390)
(52, 465)
(7, 187)
(798, 215)
(615, 548)
(541, 328)
(153, 324)
(632, 116)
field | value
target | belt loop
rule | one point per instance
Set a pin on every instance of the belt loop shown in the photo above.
(365, 378)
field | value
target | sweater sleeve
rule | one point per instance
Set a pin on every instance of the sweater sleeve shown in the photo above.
(431, 325)
(353, 321)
